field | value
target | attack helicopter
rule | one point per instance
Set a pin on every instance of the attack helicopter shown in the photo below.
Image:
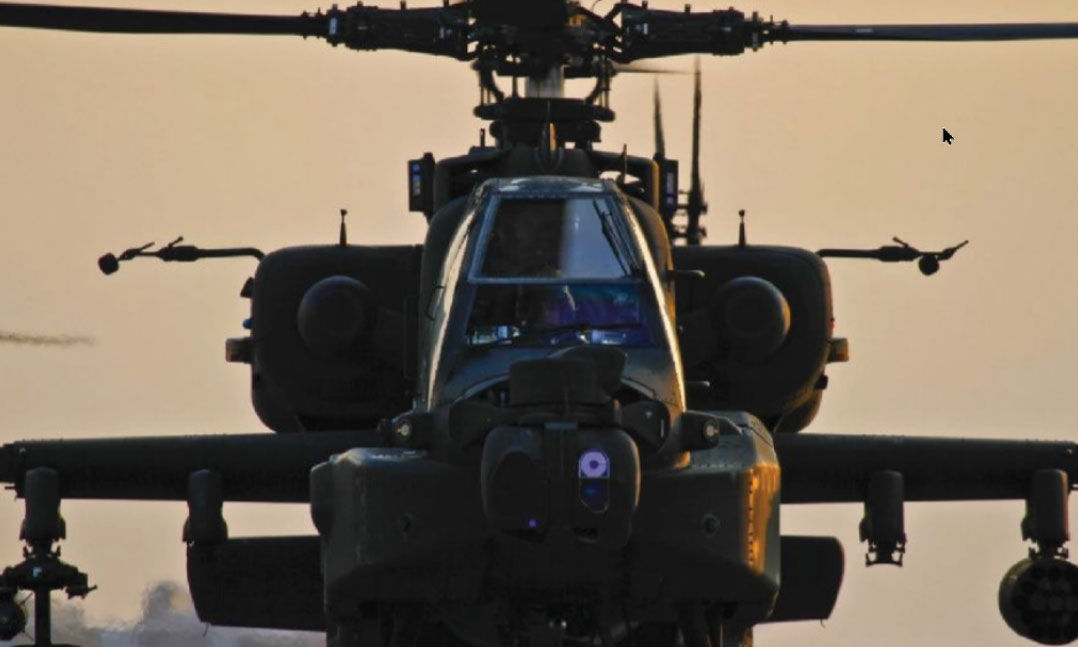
(500, 335)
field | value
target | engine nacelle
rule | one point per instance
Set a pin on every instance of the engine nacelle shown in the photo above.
(332, 335)
(755, 332)
(1038, 599)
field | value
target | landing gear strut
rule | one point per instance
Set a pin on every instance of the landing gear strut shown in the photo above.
(41, 572)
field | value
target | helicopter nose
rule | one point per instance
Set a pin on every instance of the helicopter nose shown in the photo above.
(558, 482)
(334, 316)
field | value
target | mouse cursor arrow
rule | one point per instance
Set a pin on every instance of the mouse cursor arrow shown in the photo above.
(947, 137)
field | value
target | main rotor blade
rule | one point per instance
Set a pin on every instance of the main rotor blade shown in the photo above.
(660, 139)
(141, 21)
(729, 32)
(620, 68)
(985, 32)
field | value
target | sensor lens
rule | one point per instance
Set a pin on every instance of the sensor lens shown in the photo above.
(594, 464)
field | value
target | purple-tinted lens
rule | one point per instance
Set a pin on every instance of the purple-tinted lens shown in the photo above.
(594, 464)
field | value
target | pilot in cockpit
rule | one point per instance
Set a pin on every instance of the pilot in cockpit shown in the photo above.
(555, 272)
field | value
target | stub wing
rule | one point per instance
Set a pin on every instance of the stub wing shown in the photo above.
(1037, 595)
(272, 468)
(816, 468)
(831, 468)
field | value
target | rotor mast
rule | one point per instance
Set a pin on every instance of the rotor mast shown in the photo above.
(549, 86)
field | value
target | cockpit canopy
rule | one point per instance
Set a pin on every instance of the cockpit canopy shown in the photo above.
(538, 265)
(556, 270)
(544, 238)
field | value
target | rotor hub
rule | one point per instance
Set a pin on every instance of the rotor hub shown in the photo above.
(521, 120)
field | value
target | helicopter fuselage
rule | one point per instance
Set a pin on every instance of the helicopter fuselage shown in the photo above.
(569, 374)
(550, 416)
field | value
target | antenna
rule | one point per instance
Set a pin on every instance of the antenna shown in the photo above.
(741, 242)
(660, 139)
(344, 230)
(696, 206)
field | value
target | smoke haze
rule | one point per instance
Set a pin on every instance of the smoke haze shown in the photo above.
(25, 339)
(168, 620)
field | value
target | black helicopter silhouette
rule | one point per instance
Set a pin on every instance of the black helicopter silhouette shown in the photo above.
(546, 424)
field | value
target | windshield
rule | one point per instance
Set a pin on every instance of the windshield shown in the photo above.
(560, 315)
(554, 238)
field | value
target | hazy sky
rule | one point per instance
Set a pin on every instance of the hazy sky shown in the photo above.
(112, 141)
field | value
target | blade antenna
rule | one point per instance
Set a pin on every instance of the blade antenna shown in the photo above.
(696, 206)
(660, 139)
